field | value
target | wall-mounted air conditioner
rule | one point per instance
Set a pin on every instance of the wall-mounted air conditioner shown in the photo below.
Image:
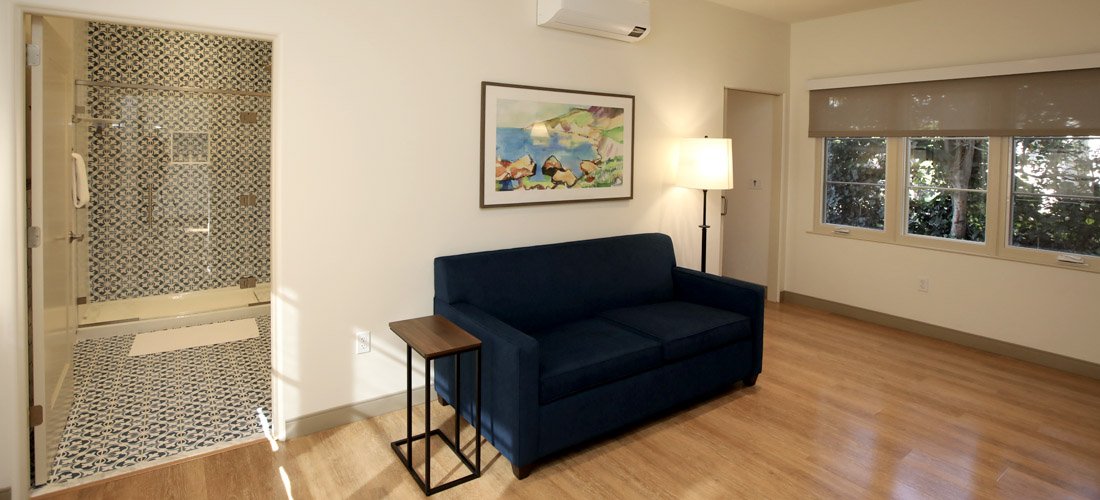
(626, 20)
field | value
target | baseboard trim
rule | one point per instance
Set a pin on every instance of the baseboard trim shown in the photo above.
(1023, 353)
(354, 412)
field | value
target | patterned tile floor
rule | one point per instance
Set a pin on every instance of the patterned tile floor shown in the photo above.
(128, 410)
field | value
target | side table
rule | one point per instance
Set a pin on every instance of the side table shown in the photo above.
(435, 337)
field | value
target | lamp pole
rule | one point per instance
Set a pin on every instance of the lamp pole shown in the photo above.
(704, 226)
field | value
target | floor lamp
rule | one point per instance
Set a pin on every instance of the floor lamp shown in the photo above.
(705, 164)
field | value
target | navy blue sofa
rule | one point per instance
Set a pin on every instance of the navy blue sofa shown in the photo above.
(581, 339)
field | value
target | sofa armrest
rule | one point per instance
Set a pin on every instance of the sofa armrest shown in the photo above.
(510, 380)
(725, 293)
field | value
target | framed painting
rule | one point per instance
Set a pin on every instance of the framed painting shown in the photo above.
(542, 145)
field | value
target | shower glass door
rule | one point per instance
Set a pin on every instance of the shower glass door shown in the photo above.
(171, 214)
(177, 130)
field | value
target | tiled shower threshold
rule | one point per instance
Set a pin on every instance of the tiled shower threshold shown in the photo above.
(95, 314)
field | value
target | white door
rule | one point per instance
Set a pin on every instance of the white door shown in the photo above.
(752, 119)
(52, 212)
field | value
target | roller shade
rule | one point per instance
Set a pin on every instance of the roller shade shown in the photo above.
(1052, 103)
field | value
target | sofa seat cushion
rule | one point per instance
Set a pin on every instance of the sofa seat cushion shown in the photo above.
(684, 329)
(577, 356)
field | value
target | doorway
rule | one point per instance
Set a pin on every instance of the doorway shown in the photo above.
(751, 211)
(149, 168)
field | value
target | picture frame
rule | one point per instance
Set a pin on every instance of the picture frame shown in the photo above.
(544, 145)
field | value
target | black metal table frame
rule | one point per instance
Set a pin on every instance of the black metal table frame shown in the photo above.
(406, 458)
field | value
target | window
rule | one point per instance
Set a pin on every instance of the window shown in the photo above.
(1031, 199)
(855, 182)
(1056, 194)
(946, 183)
(982, 162)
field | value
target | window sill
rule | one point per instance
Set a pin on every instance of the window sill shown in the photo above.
(1009, 254)
(854, 233)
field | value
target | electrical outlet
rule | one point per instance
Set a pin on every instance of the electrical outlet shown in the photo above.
(924, 284)
(362, 342)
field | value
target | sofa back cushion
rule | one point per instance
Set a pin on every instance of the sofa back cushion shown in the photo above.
(538, 287)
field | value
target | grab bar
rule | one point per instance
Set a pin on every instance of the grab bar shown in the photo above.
(80, 181)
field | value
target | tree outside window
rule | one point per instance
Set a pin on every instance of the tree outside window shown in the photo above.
(855, 182)
(1056, 194)
(947, 183)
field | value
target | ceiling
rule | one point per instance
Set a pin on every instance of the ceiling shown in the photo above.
(793, 11)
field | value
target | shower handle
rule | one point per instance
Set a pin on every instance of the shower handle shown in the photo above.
(150, 198)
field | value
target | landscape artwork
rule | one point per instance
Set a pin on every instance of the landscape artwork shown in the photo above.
(548, 145)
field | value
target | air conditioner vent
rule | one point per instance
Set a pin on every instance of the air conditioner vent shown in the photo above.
(625, 20)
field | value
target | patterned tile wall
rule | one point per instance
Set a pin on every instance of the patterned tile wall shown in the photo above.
(165, 215)
(152, 56)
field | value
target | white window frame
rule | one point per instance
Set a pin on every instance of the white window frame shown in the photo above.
(888, 233)
(1035, 256)
(992, 216)
(895, 231)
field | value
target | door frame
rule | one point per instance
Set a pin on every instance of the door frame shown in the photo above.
(14, 300)
(777, 210)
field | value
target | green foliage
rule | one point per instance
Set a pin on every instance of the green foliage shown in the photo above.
(932, 213)
(855, 181)
(939, 168)
(610, 173)
(1056, 194)
(577, 117)
(1055, 189)
(615, 134)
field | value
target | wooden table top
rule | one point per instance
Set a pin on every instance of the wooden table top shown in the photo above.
(434, 336)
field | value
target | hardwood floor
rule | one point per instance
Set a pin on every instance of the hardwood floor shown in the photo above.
(844, 409)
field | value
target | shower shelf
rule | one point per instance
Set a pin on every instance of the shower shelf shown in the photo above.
(172, 88)
(96, 122)
(99, 123)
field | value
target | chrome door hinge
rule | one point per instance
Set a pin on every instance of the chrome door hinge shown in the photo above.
(34, 54)
(34, 236)
(37, 415)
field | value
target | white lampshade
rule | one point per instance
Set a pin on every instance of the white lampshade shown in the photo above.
(705, 164)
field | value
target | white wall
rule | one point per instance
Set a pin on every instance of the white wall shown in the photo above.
(1041, 307)
(377, 110)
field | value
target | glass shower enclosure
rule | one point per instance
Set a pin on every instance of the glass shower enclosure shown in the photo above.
(174, 129)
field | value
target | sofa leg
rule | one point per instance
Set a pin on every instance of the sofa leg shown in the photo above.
(750, 380)
(443, 402)
(522, 472)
